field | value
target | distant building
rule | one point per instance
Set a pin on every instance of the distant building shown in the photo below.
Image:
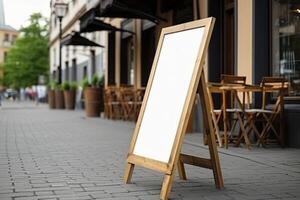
(8, 36)
(78, 62)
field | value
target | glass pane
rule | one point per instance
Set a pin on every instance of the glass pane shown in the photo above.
(286, 42)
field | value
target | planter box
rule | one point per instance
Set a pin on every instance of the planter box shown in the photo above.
(59, 99)
(70, 97)
(93, 100)
(51, 99)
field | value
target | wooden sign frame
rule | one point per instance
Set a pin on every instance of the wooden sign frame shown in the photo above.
(177, 159)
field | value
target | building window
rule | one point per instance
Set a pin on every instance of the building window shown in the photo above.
(127, 54)
(183, 11)
(84, 72)
(74, 70)
(67, 51)
(286, 42)
(54, 57)
(14, 38)
(6, 37)
(54, 75)
(93, 62)
(67, 71)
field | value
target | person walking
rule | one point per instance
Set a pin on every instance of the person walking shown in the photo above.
(0, 97)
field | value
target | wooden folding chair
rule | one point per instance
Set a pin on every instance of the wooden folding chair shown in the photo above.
(138, 100)
(107, 105)
(127, 99)
(114, 104)
(232, 111)
(215, 113)
(277, 86)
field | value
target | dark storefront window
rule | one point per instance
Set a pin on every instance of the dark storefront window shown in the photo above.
(286, 42)
(183, 11)
(74, 70)
(111, 58)
(54, 75)
(67, 71)
(148, 50)
(84, 75)
(127, 54)
(93, 61)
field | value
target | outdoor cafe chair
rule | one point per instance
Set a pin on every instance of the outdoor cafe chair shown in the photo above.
(215, 113)
(276, 86)
(264, 115)
(127, 101)
(138, 100)
(112, 105)
(232, 106)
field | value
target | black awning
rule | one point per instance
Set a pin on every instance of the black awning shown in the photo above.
(141, 9)
(76, 39)
(89, 23)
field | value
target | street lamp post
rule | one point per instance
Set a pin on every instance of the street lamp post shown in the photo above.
(60, 11)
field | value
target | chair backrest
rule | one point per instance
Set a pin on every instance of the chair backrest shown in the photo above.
(273, 82)
(112, 93)
(273, 85)
(232, 98)
(295, 85)
(232, 79)
(127, 94)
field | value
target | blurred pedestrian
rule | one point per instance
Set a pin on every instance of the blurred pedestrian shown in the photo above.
(0, 97)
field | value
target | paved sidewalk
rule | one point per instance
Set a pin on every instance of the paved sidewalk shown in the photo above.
(53, 154)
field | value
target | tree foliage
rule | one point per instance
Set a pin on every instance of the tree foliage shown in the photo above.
(29, 57)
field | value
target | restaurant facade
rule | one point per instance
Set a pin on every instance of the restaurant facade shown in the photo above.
(252, 38)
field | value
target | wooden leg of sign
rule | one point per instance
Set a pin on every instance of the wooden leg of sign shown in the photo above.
(128, 172)
(166, 187)
(215, 161)
(181, 170)
(209, 131)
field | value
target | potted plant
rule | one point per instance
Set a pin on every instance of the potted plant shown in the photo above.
(51, 94)
(69, 94)
(59, 97)
(93, 96)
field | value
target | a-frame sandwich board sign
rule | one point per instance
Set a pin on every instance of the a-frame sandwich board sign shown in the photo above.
(177, 71)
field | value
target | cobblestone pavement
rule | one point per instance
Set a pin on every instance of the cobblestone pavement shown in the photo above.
(63, 155)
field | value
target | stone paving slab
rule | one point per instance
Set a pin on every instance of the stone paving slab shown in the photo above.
(59, 154)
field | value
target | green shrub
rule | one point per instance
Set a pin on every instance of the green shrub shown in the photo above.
(73, 86)
(85, 83)
(95, 81)
(52, 85)
(101, 81)
(58, 87)
(66, 86)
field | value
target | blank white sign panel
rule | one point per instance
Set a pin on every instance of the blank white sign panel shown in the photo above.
(168, 94)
